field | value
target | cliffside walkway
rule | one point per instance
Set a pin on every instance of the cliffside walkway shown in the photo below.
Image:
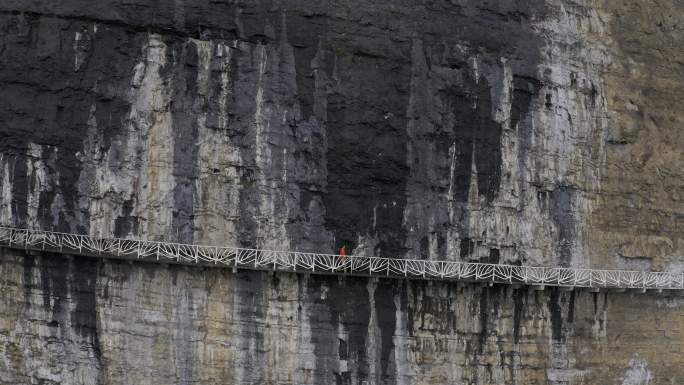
(292, 261)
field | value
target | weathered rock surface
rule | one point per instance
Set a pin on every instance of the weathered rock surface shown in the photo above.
(87, 321)
(520, 132)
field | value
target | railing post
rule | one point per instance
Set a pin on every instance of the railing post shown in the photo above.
(643, 280)
(558, 276)
(26, 240)
(158, 245)
(294, 266)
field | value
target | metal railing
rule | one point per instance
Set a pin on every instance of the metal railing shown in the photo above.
(244, 258)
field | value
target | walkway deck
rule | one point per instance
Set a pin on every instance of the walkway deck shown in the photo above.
(292, 261)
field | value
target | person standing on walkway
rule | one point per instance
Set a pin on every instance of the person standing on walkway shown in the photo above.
(343, 253)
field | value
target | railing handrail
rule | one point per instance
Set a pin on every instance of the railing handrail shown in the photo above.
(337, 264)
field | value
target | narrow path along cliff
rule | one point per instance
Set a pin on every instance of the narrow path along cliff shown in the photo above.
(490, 149)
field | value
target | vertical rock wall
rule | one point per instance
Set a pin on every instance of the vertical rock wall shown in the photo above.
(638, 215)
(477, 135)
(84, 321)
(506, 131)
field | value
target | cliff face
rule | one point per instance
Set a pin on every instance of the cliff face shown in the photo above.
(542, 133)
(85, 321)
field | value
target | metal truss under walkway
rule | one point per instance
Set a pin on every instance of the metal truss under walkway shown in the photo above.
(298, 262)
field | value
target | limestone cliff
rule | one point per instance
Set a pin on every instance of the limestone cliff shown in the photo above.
(541, 133)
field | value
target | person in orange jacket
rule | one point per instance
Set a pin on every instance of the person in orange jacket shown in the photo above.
(343, 253)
